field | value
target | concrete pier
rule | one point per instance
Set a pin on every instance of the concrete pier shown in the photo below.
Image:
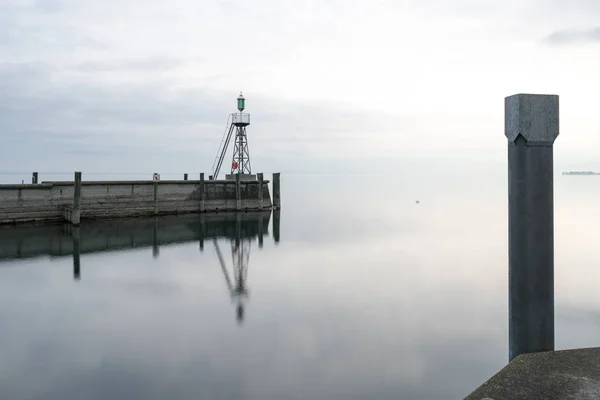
(49, 202)
(566, 374)
(276, 190)
(531, 126)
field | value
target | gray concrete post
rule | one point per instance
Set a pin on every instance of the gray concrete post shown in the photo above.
(185, 176)
(531, 126)
(260, 190)
(201, 190)
(276, 190)
(34, 178)
(238, 193)
(76, 212)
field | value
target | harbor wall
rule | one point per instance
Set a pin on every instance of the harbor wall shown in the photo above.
(53, 201)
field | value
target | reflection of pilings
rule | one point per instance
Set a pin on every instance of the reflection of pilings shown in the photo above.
(276, 220)
(238, 230)
(75, 234)
(202, 228)
(238, 193)
(155, 248)
(260, 232)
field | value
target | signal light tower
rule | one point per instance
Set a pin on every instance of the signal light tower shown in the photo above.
(240, 163)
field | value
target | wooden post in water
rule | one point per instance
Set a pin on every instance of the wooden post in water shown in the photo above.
(531, 126)
(155, 197)
(276, 190)
(76, 211)
(260, 190)
(201, 190)
(238, 193)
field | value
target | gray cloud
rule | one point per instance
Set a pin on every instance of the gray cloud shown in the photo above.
(61, 118)
(148, 64)
(573, 36)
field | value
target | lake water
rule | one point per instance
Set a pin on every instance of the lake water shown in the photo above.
(364, 294)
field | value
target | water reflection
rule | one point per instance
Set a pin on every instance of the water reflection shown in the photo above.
(61, 240)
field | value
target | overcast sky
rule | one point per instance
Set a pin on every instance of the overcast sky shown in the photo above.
(145, 85)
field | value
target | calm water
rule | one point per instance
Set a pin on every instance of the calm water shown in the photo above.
(366, 294)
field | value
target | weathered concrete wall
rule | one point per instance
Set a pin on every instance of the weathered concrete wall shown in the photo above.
(48, 201)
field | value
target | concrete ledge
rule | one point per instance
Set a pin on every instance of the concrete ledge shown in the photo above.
(566, 374)
(50, 184)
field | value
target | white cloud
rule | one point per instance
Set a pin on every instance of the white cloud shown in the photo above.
(377, 79)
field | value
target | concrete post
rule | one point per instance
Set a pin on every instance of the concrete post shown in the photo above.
(531, 126)
(34, 178)
(201, 190)
(185, 177)
(76, 212)
(276, 222)
(276, 191)
(260, 190)
(238, 193)
(75, 235)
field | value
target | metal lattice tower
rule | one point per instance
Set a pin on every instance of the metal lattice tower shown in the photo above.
(240, 163)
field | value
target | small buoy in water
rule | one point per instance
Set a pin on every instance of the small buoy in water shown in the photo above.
(417, 201)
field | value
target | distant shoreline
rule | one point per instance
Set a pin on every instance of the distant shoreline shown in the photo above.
(581, 173)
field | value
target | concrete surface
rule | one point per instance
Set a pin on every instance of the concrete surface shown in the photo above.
(560, 375)
(52, 201)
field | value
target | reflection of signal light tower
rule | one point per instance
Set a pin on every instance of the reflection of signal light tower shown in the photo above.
(240, 253)
(240, 163)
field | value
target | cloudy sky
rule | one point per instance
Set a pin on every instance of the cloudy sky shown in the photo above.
(145, 85)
